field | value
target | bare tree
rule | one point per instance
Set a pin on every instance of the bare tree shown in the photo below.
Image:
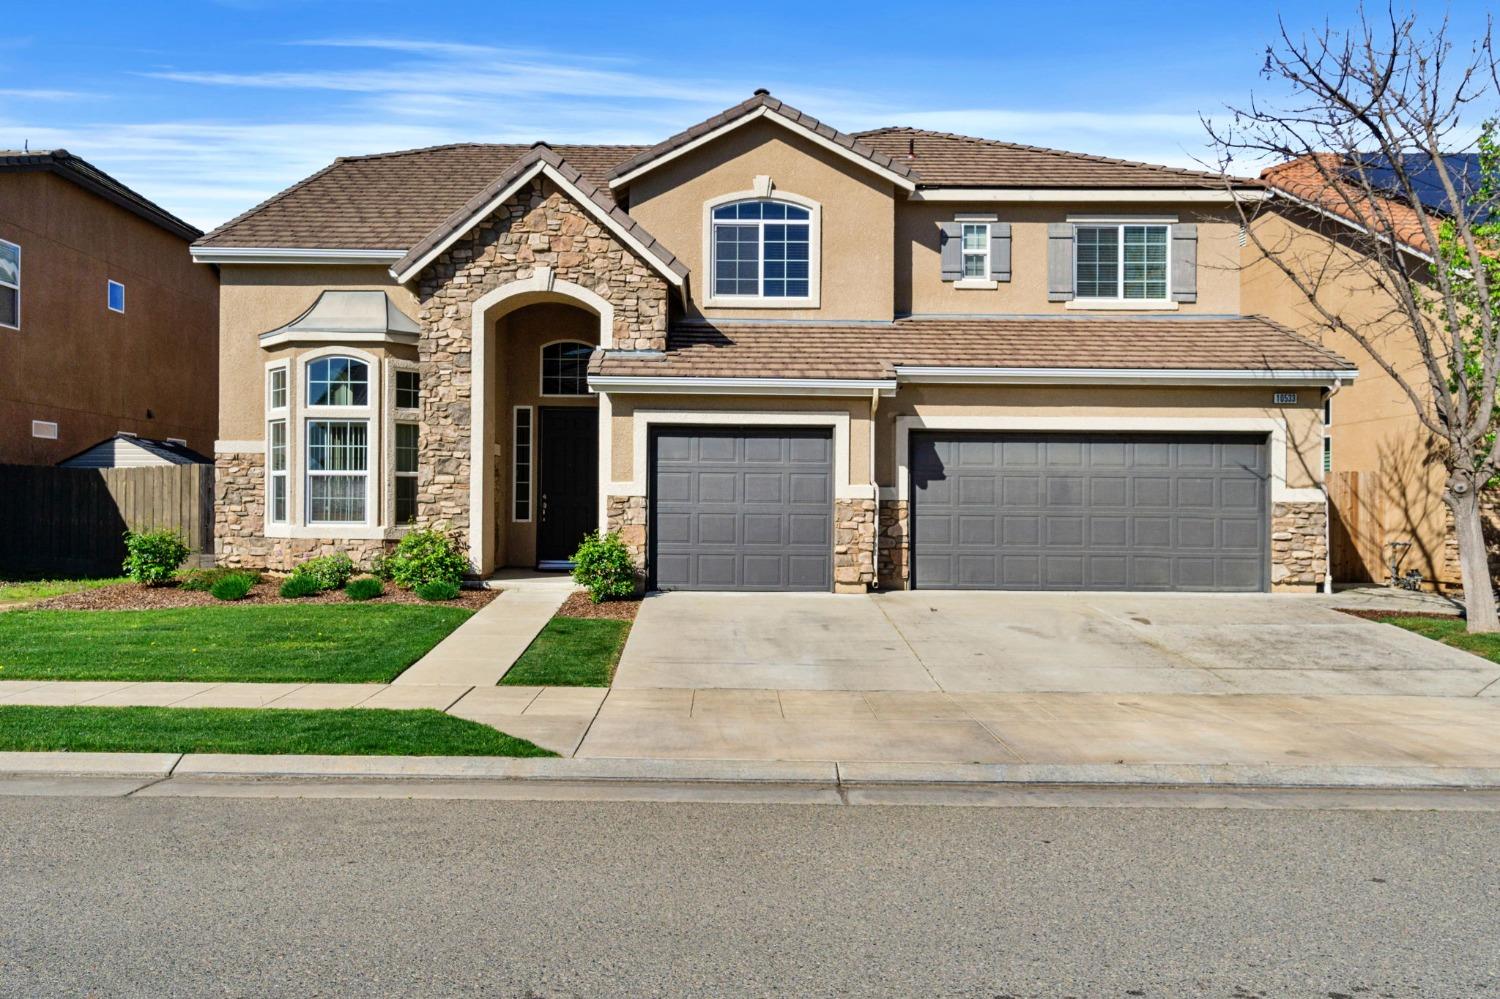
(1371, 116)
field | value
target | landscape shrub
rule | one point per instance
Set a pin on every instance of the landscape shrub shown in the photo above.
(426, 556)
(232, 586)
(364, 588)
(437, 589)
(152, 557)
(329, 571)
(204, 579)
(603, 566)
(299, 585)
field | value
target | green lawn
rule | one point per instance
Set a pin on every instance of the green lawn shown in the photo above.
(1451, 631)
(571, 652)
(352, 731)
(315, 643)
(26, 590)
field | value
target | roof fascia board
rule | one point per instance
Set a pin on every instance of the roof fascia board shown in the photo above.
(291, 255)
(1312, 206)
(279, 337)
(688, 385)
(541, 168)
(905, 183)
(1034, 195)
(1121, 376)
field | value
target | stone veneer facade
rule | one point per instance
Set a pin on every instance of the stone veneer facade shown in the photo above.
(626, 516)
(540, 227)
(1299, 545)
(895, 544)
(853, 545)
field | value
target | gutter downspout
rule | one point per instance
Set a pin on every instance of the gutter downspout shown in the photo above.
(1327, 504)
(875, 488)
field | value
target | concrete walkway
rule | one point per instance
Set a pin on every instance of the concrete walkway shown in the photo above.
(480, 650)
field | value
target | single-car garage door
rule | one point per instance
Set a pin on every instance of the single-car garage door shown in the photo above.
(1089, 512)
(741, 509)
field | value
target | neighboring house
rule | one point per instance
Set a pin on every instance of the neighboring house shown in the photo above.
(130, 451)
(1386, 478)
(106, 324)
(773, 356)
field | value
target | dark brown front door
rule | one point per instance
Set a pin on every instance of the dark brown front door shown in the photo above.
(569, 481)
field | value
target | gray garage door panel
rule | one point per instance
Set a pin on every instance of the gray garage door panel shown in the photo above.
(741, 509)
(1089, 512)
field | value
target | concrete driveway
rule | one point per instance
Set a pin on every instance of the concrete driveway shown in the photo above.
(1022, 642)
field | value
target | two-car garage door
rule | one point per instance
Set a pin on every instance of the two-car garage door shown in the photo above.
(1089, 512)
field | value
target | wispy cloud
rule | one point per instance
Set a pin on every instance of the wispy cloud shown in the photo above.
(36, 94)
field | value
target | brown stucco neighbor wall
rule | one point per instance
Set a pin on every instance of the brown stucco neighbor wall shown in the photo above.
(1299, 545)
(853, 545)
(539, 227)
(895, 544)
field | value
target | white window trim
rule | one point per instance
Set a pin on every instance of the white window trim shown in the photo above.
(964, 253)
(370, 414)
(1120, 302)
(285, 474)
(541, 373)
(390, 416)
(17, 285)
(109, 286)
(814, 295)
(283, 414)
(285, 367)
(515, 485)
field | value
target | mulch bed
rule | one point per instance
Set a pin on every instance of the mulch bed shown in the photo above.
(1377, 615)
(579, 605)
(134, 596)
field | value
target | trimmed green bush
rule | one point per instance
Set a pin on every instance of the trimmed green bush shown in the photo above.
(426, 556)
(329, 571)
(603, 566)
(300, 585)
(437, 589)
(234, 586)
(153, 557)
(204, 579)
(364, 588)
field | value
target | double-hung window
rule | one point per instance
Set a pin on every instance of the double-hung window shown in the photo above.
(10, 285)
(277, 402)
(1121, 262)
(976, 250)
(338, 443)
(762, 249)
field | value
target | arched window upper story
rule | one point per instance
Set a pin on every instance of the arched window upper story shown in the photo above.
(565, 368)
(763, 252)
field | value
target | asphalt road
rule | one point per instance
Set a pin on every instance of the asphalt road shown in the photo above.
(190, 897)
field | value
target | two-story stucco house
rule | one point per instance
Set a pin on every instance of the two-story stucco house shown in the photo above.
(773, 356)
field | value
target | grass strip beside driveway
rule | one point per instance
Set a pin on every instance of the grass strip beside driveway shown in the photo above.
(346, 732)
(571, 652)
(316, 643)
(1450, 631)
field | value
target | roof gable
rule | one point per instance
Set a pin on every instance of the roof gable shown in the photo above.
(763, 106)
(89, 177)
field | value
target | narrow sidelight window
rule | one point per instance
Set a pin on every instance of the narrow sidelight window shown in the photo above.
(276, 500)
(407, 435)
(521, 477)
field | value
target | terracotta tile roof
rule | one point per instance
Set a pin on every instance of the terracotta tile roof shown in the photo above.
(795, 350)
(91, 178)
(761, 99)
(1313, 179)
(942, 159)
(463, 218)
(391, 200)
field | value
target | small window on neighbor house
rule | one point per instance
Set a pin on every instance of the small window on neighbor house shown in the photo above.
(1121, 262)
(407, 436)
(976, 250)
(276, 388)
(44, 429)
(521, 465)
(338, 381)
(116, 297)
(408, 390)
(10, 285)
(565, 368)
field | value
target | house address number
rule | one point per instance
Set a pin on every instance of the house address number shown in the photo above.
(1285, 398)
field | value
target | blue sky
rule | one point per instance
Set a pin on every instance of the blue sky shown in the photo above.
(210, 107)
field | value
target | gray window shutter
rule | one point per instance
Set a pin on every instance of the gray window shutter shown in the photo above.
(1059, 261)
(951, 239)
(999, 251)
(1185, 263)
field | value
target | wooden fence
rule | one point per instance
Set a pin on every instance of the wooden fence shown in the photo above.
(72, 521)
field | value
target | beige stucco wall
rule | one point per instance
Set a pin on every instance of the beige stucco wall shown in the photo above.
(257, 298)
(857, 271)
(920, 288)
(1103, 404)
(1375, 431)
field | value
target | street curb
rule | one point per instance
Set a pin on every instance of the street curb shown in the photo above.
(745, 772)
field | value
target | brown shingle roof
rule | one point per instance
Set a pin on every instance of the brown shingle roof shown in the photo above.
(943, 159)
(89, 177)
(391, 200)
(464, 217)
(1314, 179)
(776, 350)
(761, 99)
